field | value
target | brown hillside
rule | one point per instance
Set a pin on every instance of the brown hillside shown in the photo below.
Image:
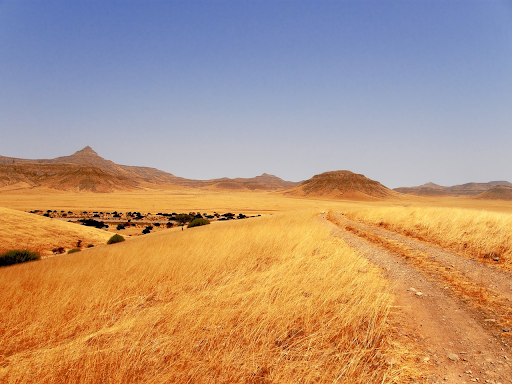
(64, 177)
(499, 192)
(344, 185)
(265, 182)
(428, 189)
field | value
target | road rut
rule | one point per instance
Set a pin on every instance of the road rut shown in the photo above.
(460, 343)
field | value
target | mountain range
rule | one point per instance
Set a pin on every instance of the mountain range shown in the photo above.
(85, 170)
(468, 189)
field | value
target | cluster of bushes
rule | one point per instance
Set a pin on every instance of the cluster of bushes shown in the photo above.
(93, 223)
(197, 222)
(17, 256)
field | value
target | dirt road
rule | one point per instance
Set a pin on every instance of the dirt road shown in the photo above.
(456, 310)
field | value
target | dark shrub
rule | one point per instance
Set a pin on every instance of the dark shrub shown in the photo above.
(146, 231)
(120, 226)
(184, 218)
(93, 223)
(115, 239)
(157, 224)
(197, 223)
(90, 245)
(74, 250)
(17, 256)
(58, 250)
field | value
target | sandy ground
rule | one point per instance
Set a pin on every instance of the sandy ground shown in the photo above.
(460, 344)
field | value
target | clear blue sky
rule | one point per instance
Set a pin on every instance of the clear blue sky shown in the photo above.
(404, 92)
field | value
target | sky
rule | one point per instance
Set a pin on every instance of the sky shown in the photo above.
(404, 92)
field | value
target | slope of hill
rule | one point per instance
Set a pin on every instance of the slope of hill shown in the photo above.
(467, 189)
(86, 170)
(64, 176)
(342, 184)
(499, 192)
(25, 230)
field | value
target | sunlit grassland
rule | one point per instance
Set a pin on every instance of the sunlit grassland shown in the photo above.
(270, 299)
(477, 233)
(21, 230)
(154, 201)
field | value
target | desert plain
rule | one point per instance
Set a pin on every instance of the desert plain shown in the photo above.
(336, 281)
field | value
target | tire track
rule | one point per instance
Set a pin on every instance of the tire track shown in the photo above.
(458, 345)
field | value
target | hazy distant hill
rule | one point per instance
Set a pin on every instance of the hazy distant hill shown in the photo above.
(499, 192)
(468, 189)
(342, 184)
(86, 170)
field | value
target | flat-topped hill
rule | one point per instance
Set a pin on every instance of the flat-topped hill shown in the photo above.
(344, 185)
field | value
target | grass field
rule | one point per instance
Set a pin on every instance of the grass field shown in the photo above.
(270, 299)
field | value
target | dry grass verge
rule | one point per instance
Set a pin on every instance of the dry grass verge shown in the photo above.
(481, 234)
(275, 299)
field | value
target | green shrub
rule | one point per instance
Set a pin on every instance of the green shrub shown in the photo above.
(17, 256)
(74, 250)
(115, 239)
(197, 222)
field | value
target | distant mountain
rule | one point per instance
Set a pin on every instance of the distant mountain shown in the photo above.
(86, 170)
(63, 176)
(468, 189)
(499, 192)
(263, 182)
(342, 185)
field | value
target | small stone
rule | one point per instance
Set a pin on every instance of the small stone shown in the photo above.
(496, 258)
(412, 289)
(506, 329)
(419, 293)
(453, 356)
(490, 320)
(468, 372)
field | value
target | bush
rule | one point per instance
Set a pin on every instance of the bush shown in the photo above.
(17, 256)
(74, 250)
(58, 250)
(120, 226)
(115, 239)
(90, 245)
(93, 223)
(197, 223)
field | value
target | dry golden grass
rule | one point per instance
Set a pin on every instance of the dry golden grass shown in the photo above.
(182, 200)
(270, 299)
(473, 233)
(21, 230)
